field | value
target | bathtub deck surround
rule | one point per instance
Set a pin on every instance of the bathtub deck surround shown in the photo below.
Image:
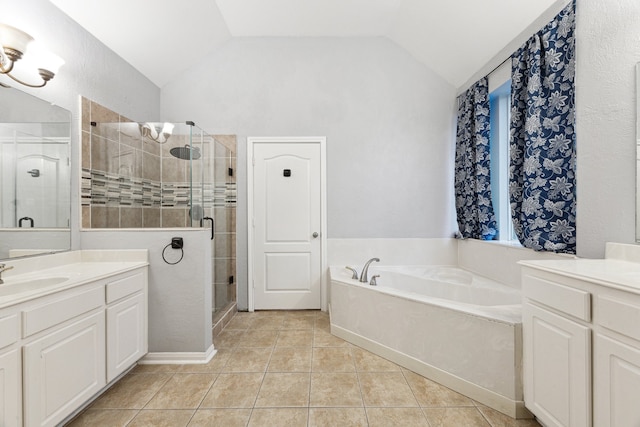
(431, 331)
(461, 330)
(285, 368)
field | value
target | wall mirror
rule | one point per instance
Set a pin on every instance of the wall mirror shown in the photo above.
(35, 182)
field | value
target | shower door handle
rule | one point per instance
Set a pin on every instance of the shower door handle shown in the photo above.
(207, 218)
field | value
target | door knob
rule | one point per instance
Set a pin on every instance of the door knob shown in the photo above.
(315, 234)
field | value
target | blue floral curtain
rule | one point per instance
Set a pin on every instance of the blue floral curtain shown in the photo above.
(474, 210)
(542, 186)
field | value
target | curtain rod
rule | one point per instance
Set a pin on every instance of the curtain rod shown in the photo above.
(499, 65)
(514, 44)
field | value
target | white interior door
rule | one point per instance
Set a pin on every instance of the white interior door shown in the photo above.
(287, 223)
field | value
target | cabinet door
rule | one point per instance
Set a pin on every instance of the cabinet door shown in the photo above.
(557, 367)
(10, 388)
(616, 383)
(126, 334)
(64, 369)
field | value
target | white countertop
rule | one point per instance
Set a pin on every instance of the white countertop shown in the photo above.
(70, 270)
(613, 273)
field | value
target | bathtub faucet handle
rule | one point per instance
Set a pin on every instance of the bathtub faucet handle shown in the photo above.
(373, 281)
(365, 270)
(354, 276)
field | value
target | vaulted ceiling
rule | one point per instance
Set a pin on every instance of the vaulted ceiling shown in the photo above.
(162, 38)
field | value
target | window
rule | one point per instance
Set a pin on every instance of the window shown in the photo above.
(500, 105)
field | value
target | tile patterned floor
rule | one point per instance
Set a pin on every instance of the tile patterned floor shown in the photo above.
(285, 369)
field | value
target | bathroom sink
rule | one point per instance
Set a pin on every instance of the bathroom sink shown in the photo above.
(10, 287)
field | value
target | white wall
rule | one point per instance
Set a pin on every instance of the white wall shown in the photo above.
(389, 123)
(608, 47)
(91, 70)
(179, 304)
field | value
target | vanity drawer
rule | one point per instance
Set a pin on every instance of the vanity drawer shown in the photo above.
(622, 316)
(126, 286)
(571, 301)
(42, 317)
(9, 330)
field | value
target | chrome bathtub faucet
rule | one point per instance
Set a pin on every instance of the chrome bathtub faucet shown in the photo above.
(373, 281)
(365, 270)
(4, 267)
(354, 276)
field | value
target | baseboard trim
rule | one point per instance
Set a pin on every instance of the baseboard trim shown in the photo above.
(178, 358)
(512, 408)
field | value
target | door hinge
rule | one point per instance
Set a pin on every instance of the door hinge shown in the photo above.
(231, 279)
(253, 160)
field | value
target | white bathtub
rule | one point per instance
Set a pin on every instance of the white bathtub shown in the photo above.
(459, 329)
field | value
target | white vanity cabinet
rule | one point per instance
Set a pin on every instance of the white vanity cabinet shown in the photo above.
(557, 352)
(581, 342)
(63, 369)
(126, 322)
(59, 350)
(616, 369)
(10, 369)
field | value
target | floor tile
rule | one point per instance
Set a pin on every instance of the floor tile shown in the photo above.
(323, 323)
(133, 391)
(215, 365)
(290, 359)
(104, 418)
(335, 390)
(448, 417)
(279, 417)
(220, 418)
(498, 419)
(248, 360)
(325, 339)
(155, 369)
(302, 376)
(298, 323)
(233, 391)
(284, 389)
(386, 389)
(429, 393)
(162, 418)
(258, 338)
(393, 417)
(182, 391)
(240, 322)
(368, 362)
(295, 338)
(228, 338)
(269, 323)
(332, 417)
(332, 359)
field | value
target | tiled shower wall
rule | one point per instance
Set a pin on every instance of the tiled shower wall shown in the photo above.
(134, 182)
(121, 174)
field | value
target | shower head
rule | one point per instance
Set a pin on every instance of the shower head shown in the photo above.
(185, 153)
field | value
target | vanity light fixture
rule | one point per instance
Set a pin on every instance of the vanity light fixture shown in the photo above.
(16, 45)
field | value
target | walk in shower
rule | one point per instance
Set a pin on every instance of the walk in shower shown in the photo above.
(163, 175)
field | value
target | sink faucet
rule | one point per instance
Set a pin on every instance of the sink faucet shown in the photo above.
(4, 267)
(365, 270)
